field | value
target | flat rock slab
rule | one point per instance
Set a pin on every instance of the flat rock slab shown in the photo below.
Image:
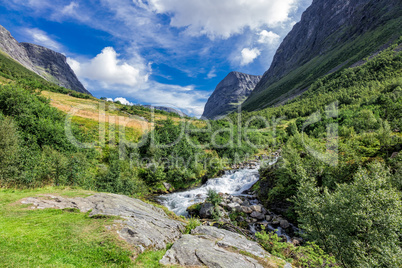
(144, 225)
(213, 247)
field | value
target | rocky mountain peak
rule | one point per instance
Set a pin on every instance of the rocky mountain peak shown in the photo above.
(45, 62)
(11, 46)
(229, 94)
(49, 62)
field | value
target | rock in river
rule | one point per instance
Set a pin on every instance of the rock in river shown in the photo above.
(257, 215)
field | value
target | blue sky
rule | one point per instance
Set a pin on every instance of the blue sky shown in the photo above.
(159, 52)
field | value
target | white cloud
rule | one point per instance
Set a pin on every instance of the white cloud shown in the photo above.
(74, 64)
(186, 99)
(123, 101)
(249, 55)
(109, 70)
(223, 18)
(40, 37)
(211, 73)
(269, 38)
(109, 74)
(70, 9)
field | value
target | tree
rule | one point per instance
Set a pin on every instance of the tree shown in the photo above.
(9, 152)
(359, 222)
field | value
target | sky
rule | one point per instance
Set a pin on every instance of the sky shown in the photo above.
(158, 52)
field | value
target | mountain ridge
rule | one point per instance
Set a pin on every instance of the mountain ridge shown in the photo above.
(229, 94)
(331, 35)
(49, 64)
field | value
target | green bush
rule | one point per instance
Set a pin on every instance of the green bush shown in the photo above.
(192, 224)
(309, 255)
(359, 222)
(9, 152)
(213, 197)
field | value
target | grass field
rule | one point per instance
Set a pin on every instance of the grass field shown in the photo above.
(56, 238)
(95, 110)
(62, 238)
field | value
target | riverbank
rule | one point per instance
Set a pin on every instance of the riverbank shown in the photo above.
(250, 163)
(72, 227)
(63, 226)
(239, 207)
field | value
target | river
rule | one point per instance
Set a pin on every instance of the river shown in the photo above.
(232, 182)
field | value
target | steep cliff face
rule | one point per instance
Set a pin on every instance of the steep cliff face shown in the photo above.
(11, 46)
(229, 94)
(53, 67)
(332, 34)
(47, 63)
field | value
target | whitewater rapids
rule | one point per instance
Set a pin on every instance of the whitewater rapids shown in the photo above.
(232, 182)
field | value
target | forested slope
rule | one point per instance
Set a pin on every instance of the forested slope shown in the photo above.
(331, 35)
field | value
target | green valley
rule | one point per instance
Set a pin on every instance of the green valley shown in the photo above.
(306, 173)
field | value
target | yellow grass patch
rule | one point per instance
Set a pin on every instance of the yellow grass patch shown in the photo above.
(95, 110)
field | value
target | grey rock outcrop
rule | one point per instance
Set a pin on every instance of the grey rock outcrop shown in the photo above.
(229, 94)
(206, 211)
(45, 62)
(53, 67)
(143, 225)
(209, 246)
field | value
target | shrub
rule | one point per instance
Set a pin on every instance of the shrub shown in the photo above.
(213, 197)
(309, 255)
(192, 224)
(9, 152)
(359, 222)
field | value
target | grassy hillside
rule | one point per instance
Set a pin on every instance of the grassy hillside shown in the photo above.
(342, 55)
(87, 111)
(339, 175)
(341, 168)
(40, 148)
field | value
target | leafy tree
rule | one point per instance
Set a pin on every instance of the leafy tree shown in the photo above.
(9, 152)
(360, 222)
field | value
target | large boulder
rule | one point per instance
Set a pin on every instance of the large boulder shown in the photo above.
(257, 215)
(167, 186)
(207, 210)
(237, 200)
(196, 251)
(257, 208)
(232, 206)
(142, 225)
(213, 247)
(244, 209)
(284, 224)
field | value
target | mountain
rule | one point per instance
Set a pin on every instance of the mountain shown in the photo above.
(53, 67)
(332, 35)
(229, 94)
(11, 46)
(45, 62)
